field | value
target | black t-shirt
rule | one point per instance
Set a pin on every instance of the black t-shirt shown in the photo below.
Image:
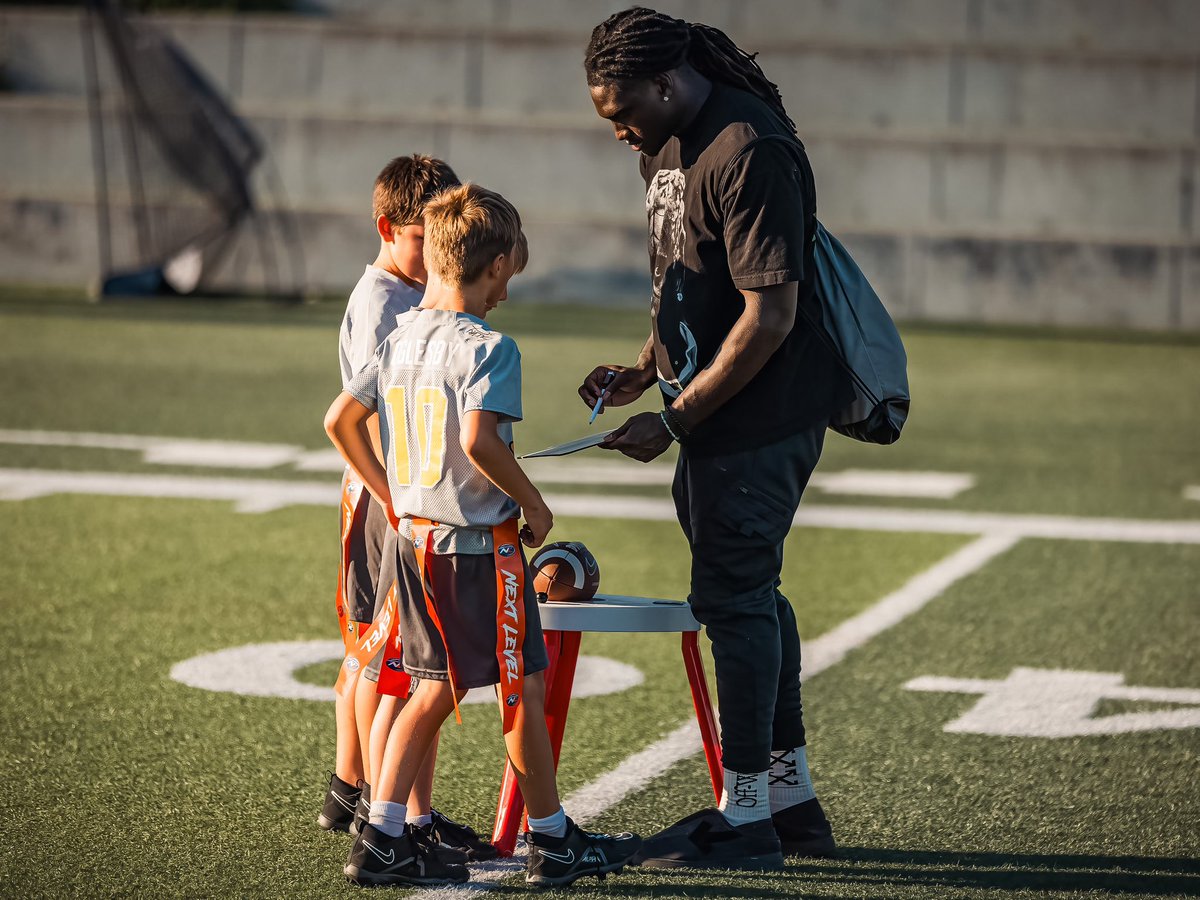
(730, 207)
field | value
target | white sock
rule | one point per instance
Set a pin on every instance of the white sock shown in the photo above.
(554, 826)
(790, 782)
(744, 797)
(420, 821)
(388, 817)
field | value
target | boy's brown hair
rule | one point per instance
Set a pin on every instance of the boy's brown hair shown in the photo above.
(406, 184)
(466, 228)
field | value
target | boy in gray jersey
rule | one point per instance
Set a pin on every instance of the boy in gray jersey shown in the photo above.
(448, 390)
(393, 284)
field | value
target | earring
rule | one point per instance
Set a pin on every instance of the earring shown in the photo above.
(665, 98)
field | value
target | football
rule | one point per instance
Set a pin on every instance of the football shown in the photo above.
(565, 571)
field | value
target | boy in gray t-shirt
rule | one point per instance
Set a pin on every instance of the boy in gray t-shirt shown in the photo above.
(391, 286)
(448, 388)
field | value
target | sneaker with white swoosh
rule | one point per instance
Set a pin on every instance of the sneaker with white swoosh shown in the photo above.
(554, 862)
(380, 859)
(340, 802)
(446, 832)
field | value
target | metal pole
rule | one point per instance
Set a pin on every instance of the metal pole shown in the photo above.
(99, 157)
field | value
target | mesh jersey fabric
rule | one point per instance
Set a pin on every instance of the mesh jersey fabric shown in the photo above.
(376, 302)
(434, 368)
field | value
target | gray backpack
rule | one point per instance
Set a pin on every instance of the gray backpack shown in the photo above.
(864, 339)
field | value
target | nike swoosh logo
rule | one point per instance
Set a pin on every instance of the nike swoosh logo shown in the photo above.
(342, 802)
(566, 859)
(386, 860)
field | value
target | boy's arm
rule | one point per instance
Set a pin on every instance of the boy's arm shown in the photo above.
(376, 440)
(346, 425)
(494, 458)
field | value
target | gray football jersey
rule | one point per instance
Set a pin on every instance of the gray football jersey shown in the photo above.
(376, 301)
(434, 368)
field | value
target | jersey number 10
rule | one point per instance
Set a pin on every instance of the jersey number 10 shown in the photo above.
(429, 418)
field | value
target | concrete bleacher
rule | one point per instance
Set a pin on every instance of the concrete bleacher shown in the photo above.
(986, 160)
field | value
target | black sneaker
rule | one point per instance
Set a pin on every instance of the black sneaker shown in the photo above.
(707, 840)
(446, 832)
(362, 813)
(447, 854)
(340, 802)
(554, 862)
(804, 831)
(379, 859)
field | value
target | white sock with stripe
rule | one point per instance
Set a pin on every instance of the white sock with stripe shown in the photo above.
(388, 817)
(790, 782)
(554, 825)
(745, 797)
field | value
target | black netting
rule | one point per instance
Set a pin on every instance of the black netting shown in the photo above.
(174, 167)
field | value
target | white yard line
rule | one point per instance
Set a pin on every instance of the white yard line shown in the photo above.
(867, 518)
(638, 770)
(248, 495)
(166, 450)
(575, 470)
(263, 495)
(882, 483)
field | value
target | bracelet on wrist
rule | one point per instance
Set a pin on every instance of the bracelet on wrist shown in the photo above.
(667, 425)
(676, 424)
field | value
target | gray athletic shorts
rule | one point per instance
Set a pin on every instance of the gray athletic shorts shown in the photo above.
(464, 587)
(368, 531)
(383, 584)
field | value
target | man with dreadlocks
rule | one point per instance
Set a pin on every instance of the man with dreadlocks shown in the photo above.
(748, 391)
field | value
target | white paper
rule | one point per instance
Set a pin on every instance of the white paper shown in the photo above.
(569, 447)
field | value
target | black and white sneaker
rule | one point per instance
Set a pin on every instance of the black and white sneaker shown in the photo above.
(804, 831)
(444, 852)
(707, 840)
(554, 862)
(362, 812)
(379, 859)
(445, 832)
(340, 802)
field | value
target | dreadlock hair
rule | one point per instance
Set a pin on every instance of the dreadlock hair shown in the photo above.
(639, 43)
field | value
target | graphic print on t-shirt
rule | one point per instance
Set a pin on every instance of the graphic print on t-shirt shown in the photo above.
(664, 209)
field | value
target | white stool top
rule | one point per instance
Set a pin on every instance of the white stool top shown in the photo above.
(613, 612)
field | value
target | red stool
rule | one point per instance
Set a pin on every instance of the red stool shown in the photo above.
(563, 624)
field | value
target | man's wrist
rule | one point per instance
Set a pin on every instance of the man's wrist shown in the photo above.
(677, 423)
(675, 428)
(667, 425)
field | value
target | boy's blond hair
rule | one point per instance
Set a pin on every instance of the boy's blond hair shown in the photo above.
(466, 228)
(406, 184)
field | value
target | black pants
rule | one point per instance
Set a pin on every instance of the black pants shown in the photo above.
(736, 511)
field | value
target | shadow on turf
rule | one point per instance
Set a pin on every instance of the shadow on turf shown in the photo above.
(868, 871)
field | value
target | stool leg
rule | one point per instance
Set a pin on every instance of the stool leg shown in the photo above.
(562, 649)
(558, 688)
(694, 664)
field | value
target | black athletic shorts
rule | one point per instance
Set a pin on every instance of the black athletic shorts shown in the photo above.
(464, 588)
(368, 531)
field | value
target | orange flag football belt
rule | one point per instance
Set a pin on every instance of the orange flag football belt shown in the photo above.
(510, 611)
(362, 641)
(352, 494)
(382, 630)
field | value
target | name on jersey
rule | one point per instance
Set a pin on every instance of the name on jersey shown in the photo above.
(420, 352)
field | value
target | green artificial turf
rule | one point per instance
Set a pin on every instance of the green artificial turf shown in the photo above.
(122, 782)
(1098, 425)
